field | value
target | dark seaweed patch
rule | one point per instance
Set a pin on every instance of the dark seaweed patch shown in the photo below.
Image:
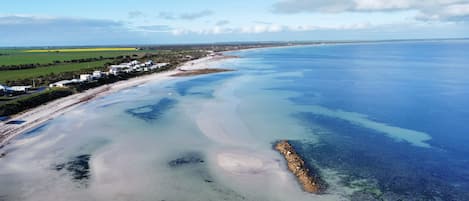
(396, 170)
(152, 112)
(35, 131)
(191, 158)
(17, 122)
(184, 88)
(79, 167)
(193, 163)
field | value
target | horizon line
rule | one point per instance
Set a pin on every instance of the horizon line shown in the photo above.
(234, 43)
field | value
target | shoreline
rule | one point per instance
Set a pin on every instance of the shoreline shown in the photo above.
(36, 116)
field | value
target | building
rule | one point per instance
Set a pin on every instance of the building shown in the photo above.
(86, 77)
(97, 74)
(65, 83)
(158, 66)
(134, 66)
(20, 88)
(149, 63)
(211, 53)
(134, 62)
(116, 69)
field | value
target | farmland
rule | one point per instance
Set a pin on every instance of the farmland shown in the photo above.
(19, 57)
(22, 66)
(83, 50)
(44, 66)
(12, 75)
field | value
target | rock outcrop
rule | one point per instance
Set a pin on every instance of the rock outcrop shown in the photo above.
(309, 180)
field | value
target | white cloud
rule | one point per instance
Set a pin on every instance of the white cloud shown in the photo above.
(185, 16)
(222, 22)
(262, 28)
(454, 12)
(427, 9)
(267, 28)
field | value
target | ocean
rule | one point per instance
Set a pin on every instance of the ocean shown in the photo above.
(377, 121)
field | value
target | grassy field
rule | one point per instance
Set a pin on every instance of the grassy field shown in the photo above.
(18, 57)
(83, 50)
(36, 72)
(22, 66)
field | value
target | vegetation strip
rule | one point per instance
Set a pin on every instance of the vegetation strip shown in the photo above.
(83, 50)
(28, 102)
(310, 181)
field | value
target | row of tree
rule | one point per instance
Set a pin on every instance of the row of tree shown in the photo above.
(28, 102)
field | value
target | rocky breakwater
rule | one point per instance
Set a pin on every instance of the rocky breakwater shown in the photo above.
(310, 180)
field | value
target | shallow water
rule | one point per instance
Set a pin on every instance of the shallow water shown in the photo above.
(379, 121)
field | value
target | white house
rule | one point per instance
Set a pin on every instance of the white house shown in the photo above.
(86, 77)
(116, 69)
(149, 63)
(64, 83)
(134, 66)
(134, 62)
(158, 65)
(211, 53)
(97, 74)
(20, 88)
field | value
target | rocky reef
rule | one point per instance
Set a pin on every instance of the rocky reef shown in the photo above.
(190, 158)
(78, 167)
(310, 180)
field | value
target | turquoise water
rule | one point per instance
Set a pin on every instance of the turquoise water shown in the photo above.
(381, 121)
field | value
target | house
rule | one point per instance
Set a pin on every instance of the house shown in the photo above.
(19, 88)
(65, 83)
(134, 62)
(116, 69)
(148, 63)
(86, 77)
(62, 83)
(211, 53)
(133, 66)
(97, 74)
(158, 65)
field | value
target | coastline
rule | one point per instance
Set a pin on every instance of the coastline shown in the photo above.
(35, 117)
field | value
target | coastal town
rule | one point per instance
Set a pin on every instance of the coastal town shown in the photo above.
(114, 70)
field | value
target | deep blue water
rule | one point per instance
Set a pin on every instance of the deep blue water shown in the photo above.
(421, 86)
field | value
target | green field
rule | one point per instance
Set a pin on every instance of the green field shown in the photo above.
(42, 71)
(18, 57)
(23, 66)
(84, 49)
(57, 61)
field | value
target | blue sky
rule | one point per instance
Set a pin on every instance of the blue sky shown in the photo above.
(106, 22)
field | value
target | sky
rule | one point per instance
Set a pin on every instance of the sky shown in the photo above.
(118, 22)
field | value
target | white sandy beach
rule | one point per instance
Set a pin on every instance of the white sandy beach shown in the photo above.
(37, 116)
